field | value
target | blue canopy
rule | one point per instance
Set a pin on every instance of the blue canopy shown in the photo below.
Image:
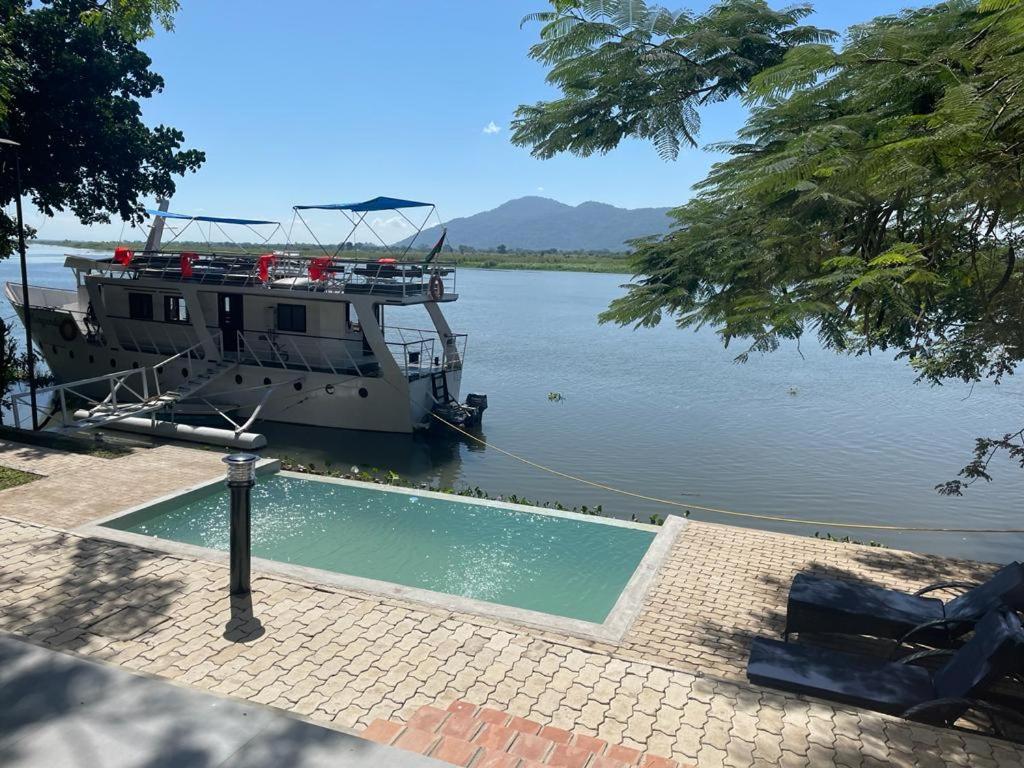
(214, 219)
(376, 204)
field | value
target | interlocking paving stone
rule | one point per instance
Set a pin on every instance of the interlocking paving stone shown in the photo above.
(675, 681)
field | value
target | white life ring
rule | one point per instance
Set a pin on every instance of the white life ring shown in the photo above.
(436, 287)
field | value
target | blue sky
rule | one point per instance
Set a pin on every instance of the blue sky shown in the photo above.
(330, 101)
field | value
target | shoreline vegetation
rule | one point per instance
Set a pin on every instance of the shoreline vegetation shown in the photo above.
(390, 477)
(550, 260)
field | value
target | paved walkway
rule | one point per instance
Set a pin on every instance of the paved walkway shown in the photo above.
(79, 488)
(673, 687)
(62, 710)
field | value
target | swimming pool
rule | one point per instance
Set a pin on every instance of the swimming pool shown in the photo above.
(560, 564)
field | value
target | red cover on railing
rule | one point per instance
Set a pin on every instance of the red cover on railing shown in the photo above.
(187, 260)
(319, 268)
(123, 255)
(263, 266)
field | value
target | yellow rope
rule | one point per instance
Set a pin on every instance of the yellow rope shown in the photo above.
(716, 510)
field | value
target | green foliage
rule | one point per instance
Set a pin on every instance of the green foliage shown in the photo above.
(880, 206)
(9, 478)
(874, 198)
(390, 477)
(13, 365)
(73, 78)
(133, 19)
(629, 69)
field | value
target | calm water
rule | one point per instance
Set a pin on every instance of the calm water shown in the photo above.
(667, 413)
(563, 566)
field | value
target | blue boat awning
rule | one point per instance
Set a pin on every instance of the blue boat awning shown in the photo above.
(376, 204)
(214, 219)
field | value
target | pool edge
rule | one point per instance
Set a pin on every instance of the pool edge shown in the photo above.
(616, 624)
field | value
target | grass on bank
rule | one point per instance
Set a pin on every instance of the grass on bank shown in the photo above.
(9, 478)
(556, 261)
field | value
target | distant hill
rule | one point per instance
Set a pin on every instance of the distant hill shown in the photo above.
(539, 223)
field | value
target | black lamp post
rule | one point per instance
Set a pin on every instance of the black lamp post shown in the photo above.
(241, 479)
(30, 353)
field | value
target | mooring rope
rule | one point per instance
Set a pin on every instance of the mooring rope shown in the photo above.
(717, 510)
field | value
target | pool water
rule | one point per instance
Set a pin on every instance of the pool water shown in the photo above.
(565, 566)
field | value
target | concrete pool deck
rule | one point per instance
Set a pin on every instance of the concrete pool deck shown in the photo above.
(673, 686)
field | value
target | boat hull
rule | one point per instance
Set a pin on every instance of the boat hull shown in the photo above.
(323, 399)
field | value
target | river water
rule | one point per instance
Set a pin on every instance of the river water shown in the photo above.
(805, 433)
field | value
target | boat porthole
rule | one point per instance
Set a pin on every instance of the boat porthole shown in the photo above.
(298, 386)
(363, 392)
(329, 389)
(184, 373)
(135, 364)
(266, 381)
(113, 363)
(238, 379)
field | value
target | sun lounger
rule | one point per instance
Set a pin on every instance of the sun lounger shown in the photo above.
(820, 604)
(994, 651)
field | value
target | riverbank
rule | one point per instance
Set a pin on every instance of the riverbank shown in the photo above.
(560, 261)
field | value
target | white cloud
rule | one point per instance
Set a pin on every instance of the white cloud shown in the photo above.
(393, 221)
(492, 127)
(540, 189)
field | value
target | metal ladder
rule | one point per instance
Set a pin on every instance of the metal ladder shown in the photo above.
(439, 386)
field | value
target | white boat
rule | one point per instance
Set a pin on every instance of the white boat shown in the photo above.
(278, 336)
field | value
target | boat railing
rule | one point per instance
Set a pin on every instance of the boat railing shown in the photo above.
(127, 389)
(274, 349)
(290, 272)
(415, 358)
(152, 336)
(453, 349)
(129, 386)
(188, 358)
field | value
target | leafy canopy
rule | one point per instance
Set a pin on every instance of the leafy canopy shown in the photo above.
(71, 82)
(628, 69)
(875, 197)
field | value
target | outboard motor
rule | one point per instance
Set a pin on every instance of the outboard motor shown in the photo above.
(463, 415)
(477, 401)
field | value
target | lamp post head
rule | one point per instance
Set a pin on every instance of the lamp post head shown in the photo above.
(241, 468)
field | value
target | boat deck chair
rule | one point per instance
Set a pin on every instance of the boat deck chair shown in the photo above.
(995, 650)
(820, 604)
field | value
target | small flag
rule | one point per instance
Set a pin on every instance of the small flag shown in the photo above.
(437, 246)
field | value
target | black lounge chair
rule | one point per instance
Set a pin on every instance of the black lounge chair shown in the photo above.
(899, 688)
(820, 604)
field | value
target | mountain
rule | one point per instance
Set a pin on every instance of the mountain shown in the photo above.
(539, 223)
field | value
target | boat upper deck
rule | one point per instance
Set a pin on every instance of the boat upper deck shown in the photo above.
(403, 282)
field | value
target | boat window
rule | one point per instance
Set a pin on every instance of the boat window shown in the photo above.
(175, 310)
(291, 318)
(140, 306)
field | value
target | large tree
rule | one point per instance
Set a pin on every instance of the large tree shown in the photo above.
(874, 198)
(71, 81)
